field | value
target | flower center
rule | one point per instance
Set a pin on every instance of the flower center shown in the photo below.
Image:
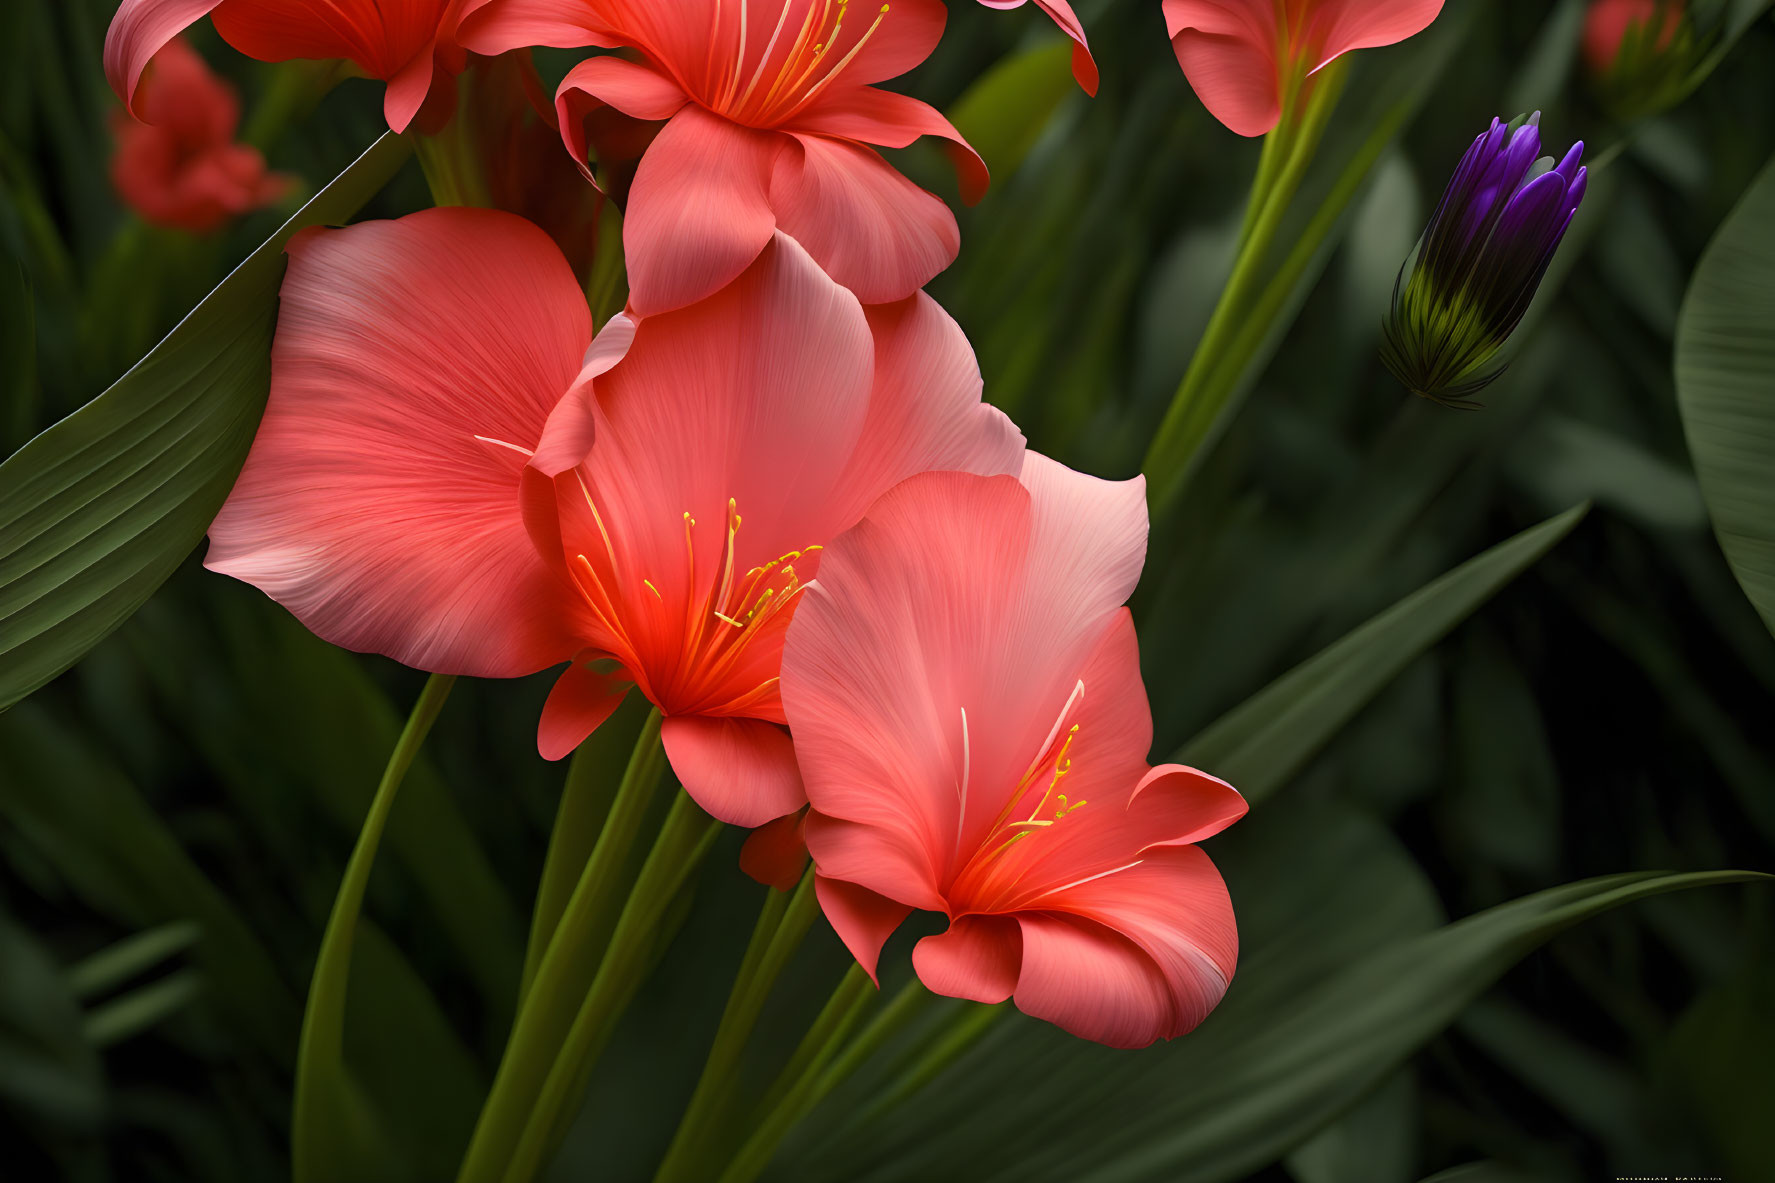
(781, 85)
(704, 673)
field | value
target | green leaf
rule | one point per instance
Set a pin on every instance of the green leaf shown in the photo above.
(131, 957)
(1259, 1077)
(133, 1013)
(47, 1068)
(1725, 384)
(117, 854)
(1007, 110)
(335, 1135)
(97, 511)
(1261, 744)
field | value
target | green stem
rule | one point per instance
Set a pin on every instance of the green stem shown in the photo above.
(451, 170)
(566, 968)
(1197, 403)
(329, 1115)
(1229, 369)
(782, 923)
(683, 841)
(805, 1082)
(591, 812)
(888, 1022)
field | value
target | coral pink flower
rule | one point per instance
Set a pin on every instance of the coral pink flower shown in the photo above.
(769, 117)
(1607, 23)
(964, 690)
(409, 44)
(447, 475)
(1084, 68)
(1242, 55)
(183, 168)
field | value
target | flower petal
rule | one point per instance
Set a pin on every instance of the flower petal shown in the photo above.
(872, 230)
(582, 698)
(742, 771)
(137, 33)
(863, 920)
(1084, 67)
(1346, 25)
(634, 89)
(1091, 982)
(493, 27)
(700, 210)
(1227, 51)
(414, 366)
(1174, 907)
(925, 413)
(978, 959)
(1186, 805)
(775, 854)
(891, 120)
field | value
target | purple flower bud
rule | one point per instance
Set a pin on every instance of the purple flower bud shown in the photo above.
(1480, 262)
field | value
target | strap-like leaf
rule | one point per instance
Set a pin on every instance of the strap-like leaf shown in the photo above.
(1260, 744)
(97, 511)
(1725, 382)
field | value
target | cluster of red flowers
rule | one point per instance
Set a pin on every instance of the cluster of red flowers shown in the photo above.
(767, 495)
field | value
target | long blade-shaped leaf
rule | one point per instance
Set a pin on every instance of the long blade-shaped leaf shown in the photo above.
(1725, 384)
(97, 511)
(1262, 743)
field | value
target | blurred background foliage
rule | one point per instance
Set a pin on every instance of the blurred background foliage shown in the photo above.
(175, 812)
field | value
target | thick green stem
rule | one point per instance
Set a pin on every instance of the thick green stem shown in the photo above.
(1198, 401)
(566, 969)
(452, 171)
(683, 841)
(805, 1082)
(591, 814)
(782, 923)
(332, 1130)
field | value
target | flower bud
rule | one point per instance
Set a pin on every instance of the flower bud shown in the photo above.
(1464, 290)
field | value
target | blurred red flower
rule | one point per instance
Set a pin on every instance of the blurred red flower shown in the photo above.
(183, 169)
(1608, 22)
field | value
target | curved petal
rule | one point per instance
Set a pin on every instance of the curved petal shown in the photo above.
(881, 860)
(414, 366)
(978, 959)
(409, 87)
(378, 36)
(1227, 51)
(1346, 25)
(1084, 67)
(863, 920)
(1174, 908)
(1184, 804)
(699, 212)
(742, 771)
(748, 403)
(891, 120)
(636, 90)
(582, 698)
(493, 27)
(775, 854)
(137, 33)
(885, 660)
(1092, 982)
(872, 230)
(925, 413)
(183, 96)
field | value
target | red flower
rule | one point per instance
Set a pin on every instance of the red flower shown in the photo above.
(1241, 55)
(1608, 22)
(769, 118)
(448, 475)
(184, 169)
(964, 689)
(409, 44)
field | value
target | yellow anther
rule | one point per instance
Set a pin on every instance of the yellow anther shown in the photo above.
(654, 590)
